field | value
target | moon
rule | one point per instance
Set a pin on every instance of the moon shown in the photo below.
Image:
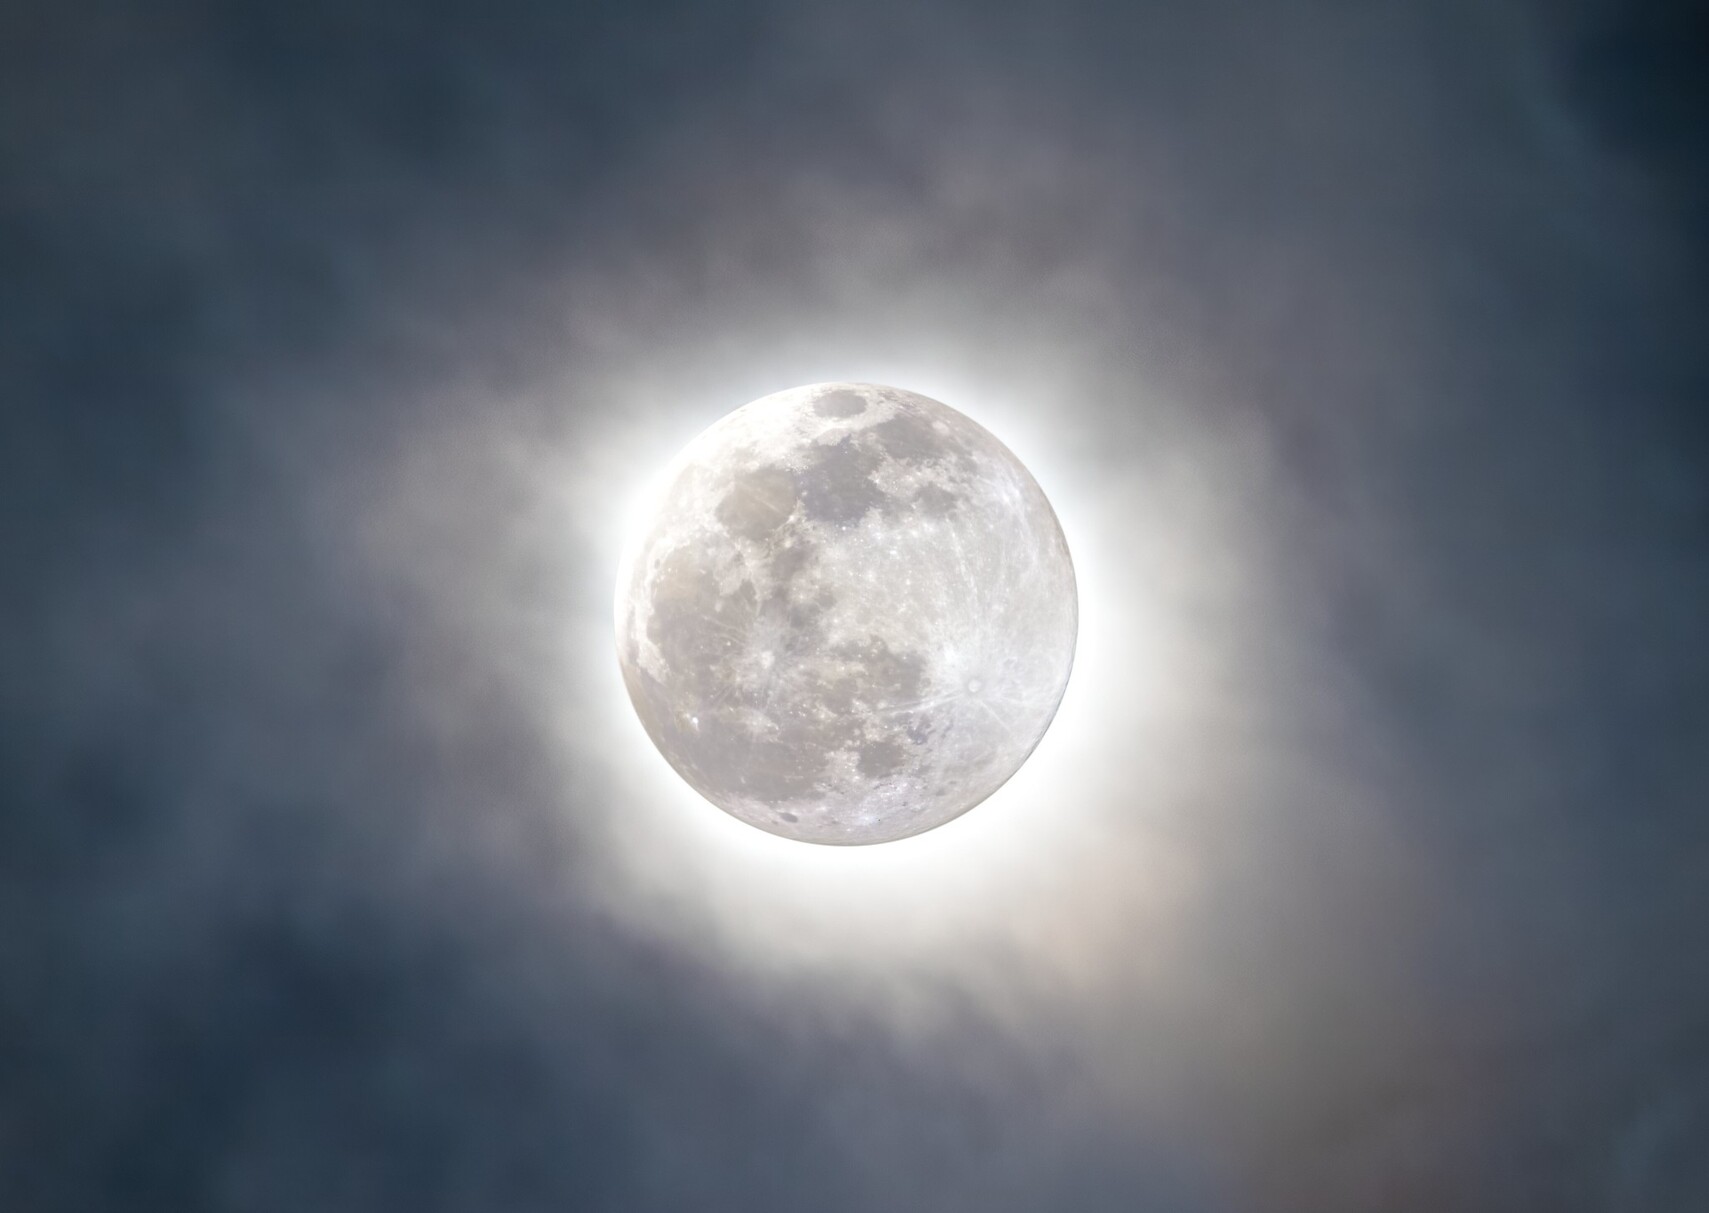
(850, 615)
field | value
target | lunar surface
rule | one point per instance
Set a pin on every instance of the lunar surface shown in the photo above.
(849, 617)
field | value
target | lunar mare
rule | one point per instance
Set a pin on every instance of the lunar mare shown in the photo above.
(849, 617)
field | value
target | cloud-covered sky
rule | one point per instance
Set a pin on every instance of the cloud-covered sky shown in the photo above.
(1360, 349)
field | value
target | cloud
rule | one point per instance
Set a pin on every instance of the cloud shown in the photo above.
(1353, 349)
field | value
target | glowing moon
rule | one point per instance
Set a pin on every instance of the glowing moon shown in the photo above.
(850, 617)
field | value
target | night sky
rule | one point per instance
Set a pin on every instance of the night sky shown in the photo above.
(1363, 349)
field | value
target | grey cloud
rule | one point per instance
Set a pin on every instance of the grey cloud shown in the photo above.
(1364, 346)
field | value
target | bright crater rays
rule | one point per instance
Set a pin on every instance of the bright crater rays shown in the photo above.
(850, 615)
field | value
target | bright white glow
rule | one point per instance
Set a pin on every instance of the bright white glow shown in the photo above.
(1030, 871)
(1077, 858)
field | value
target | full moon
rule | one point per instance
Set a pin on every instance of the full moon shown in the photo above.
(849, 616)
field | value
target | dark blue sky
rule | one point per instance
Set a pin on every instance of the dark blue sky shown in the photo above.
(1361, 348)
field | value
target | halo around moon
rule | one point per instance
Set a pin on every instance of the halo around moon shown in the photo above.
(850, 615)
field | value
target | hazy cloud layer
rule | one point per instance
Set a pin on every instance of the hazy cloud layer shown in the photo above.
(1359, 350)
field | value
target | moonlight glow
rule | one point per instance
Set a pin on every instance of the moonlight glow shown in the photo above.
(851, 615)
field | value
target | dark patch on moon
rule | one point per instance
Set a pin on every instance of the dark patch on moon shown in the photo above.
(777, 770)
(880, 758)
(888, 678)
(840, 403)
(910, 436)
(838, 486)
(804, 617)
(934, 501)
(837, 694)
